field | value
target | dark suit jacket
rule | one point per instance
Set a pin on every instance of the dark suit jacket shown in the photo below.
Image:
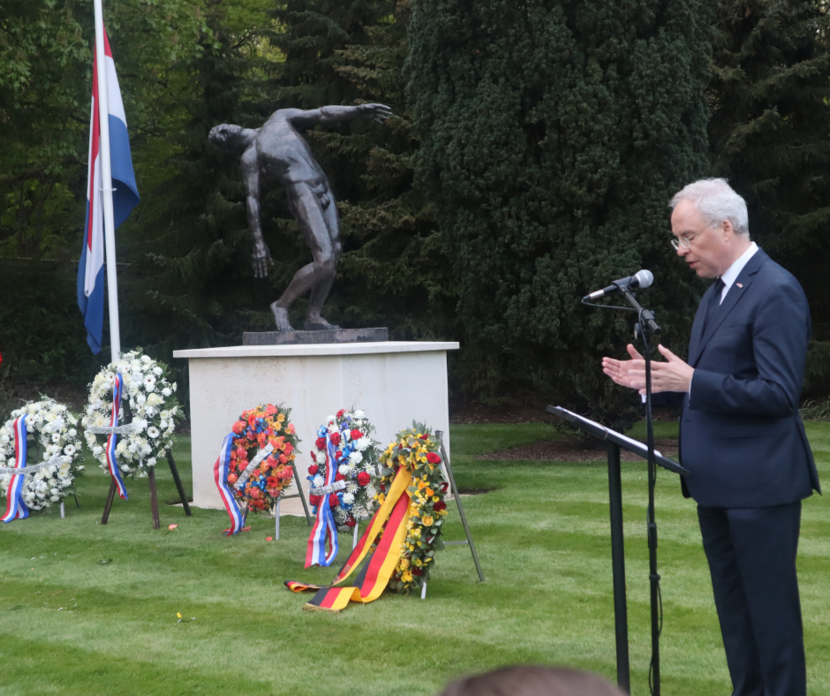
(741, 436)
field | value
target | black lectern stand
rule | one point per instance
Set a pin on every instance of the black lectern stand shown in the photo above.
(616, 440)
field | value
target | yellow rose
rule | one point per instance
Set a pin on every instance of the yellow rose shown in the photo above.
(421, 485)
(429, 492)
(404, 563)
(428, 520)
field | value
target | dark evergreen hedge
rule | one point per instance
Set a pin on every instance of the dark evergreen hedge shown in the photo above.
(553, 136)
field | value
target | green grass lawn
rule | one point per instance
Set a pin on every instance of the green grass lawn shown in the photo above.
(88, 609)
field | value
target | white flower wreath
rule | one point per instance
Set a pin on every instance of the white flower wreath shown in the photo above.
(52, 436)
(152, 405)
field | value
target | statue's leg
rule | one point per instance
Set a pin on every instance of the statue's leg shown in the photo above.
(309, 214)
(319, 293)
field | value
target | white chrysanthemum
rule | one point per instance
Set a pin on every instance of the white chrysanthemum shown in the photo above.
(363, 443)
(352, 487)
(348, 498)
(166, 392)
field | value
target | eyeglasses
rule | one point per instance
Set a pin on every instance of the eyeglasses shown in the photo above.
(686, 242)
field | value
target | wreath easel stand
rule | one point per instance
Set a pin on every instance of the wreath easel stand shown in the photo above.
(299, 494)
(457, 496)
(151, 475)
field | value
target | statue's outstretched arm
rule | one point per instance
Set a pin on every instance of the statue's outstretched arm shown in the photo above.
(339, 114)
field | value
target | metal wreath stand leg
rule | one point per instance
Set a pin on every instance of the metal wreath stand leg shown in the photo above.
(457, 496)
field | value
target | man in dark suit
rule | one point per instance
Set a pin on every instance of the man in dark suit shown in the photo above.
(741, 436)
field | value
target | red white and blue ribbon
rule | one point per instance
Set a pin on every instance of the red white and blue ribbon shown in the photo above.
(112, 462)
(15, 507)
(220, 476)
(324, 531)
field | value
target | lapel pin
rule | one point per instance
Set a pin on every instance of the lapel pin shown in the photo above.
(740, 285)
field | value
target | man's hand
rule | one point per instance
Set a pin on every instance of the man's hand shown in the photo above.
(261, 260)
(619, 370)
(377, 112)
(672, 375)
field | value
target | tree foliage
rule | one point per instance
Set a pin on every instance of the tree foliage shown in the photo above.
(770, 97)
(553, 135)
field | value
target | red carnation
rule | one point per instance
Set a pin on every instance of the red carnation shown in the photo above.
(339, 477)
(445, 487)
(417, 571)
(356, 434)
(424, 436)
(363, 478)
(313, 469)
(315, 499)
(433, 458)
(320, 442)
(333, 501)
(335, 439)
(440, 505)
(351, 522)
(341, 412)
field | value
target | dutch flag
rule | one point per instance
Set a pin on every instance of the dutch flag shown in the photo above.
(91, 287)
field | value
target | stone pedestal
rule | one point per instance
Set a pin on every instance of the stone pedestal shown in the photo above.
(394, 382)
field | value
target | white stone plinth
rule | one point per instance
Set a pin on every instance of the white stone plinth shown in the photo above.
(394, 382)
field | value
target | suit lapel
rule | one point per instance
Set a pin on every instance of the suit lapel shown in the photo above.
(739, 288)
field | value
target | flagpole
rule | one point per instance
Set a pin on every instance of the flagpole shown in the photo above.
(106, 183)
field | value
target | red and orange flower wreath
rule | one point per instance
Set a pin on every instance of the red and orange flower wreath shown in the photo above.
(398, 548)
(254, 465)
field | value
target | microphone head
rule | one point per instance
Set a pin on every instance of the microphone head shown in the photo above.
(642, 279)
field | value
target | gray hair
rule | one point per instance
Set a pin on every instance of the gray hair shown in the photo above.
(716, 201)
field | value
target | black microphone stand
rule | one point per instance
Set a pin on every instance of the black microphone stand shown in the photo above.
(644, 327)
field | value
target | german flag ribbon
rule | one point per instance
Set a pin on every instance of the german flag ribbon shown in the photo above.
(15, 507)
(391, 518)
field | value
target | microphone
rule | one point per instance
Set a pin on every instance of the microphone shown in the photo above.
(641, 279)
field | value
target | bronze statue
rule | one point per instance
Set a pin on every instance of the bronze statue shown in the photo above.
(277, 151)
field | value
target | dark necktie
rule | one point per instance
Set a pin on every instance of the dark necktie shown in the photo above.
(714, 303)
